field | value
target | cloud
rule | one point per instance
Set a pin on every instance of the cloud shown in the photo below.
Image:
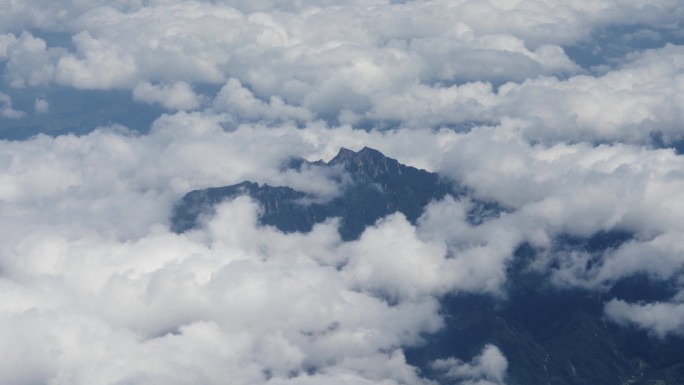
(629, 104)
(78, 253)
(30, 62)
(231, 298)
(6, 40)
(241, 103)
(6, 110)
(83, 263)
(176, 96)
(41, 14)
(577, 190)
(237, 300)
(659, 318)
(303, 60)
(484, 93)
(397, 271)
(488, 368)
(99, 66)
(41, 106)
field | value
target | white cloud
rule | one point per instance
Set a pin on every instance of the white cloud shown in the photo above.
(399, 271)
(98, 66)
(660, 318)
(176, 96)
(6, 110)
(92, 260)
(481, 92)
(303, 59)
(629, 104)
(86, 242)
(41, 106)
(31, 63)
(488, 368)
(6, 40)
(237, 300)
(241, 103)
(399, 63)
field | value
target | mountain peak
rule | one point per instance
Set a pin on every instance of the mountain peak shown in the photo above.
(343, 156)
(370, 153)
(378, 186)
(346, 155)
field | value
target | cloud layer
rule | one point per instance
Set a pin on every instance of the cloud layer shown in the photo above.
(96, 289)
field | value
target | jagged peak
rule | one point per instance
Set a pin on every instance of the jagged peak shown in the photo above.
(346, 152)
(342, 156)
(366, 153)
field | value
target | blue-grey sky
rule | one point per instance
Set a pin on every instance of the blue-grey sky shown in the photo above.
(565, 113)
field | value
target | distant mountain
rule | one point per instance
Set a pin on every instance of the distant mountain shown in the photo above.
(379, 186)
(548, 334)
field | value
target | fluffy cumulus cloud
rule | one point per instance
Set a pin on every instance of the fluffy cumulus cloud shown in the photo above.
(378, 61)
(488, 368)
(96, 289)
(632, 103)
(30, 63)
(88, 255)
(229, 300)
(660, 318)
(41, 106)
(6, 109)
(240, 102)
(176, 96)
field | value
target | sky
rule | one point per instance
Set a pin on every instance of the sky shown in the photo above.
(570, 115)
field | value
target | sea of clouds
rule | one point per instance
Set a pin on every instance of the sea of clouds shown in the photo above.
(496, 95)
